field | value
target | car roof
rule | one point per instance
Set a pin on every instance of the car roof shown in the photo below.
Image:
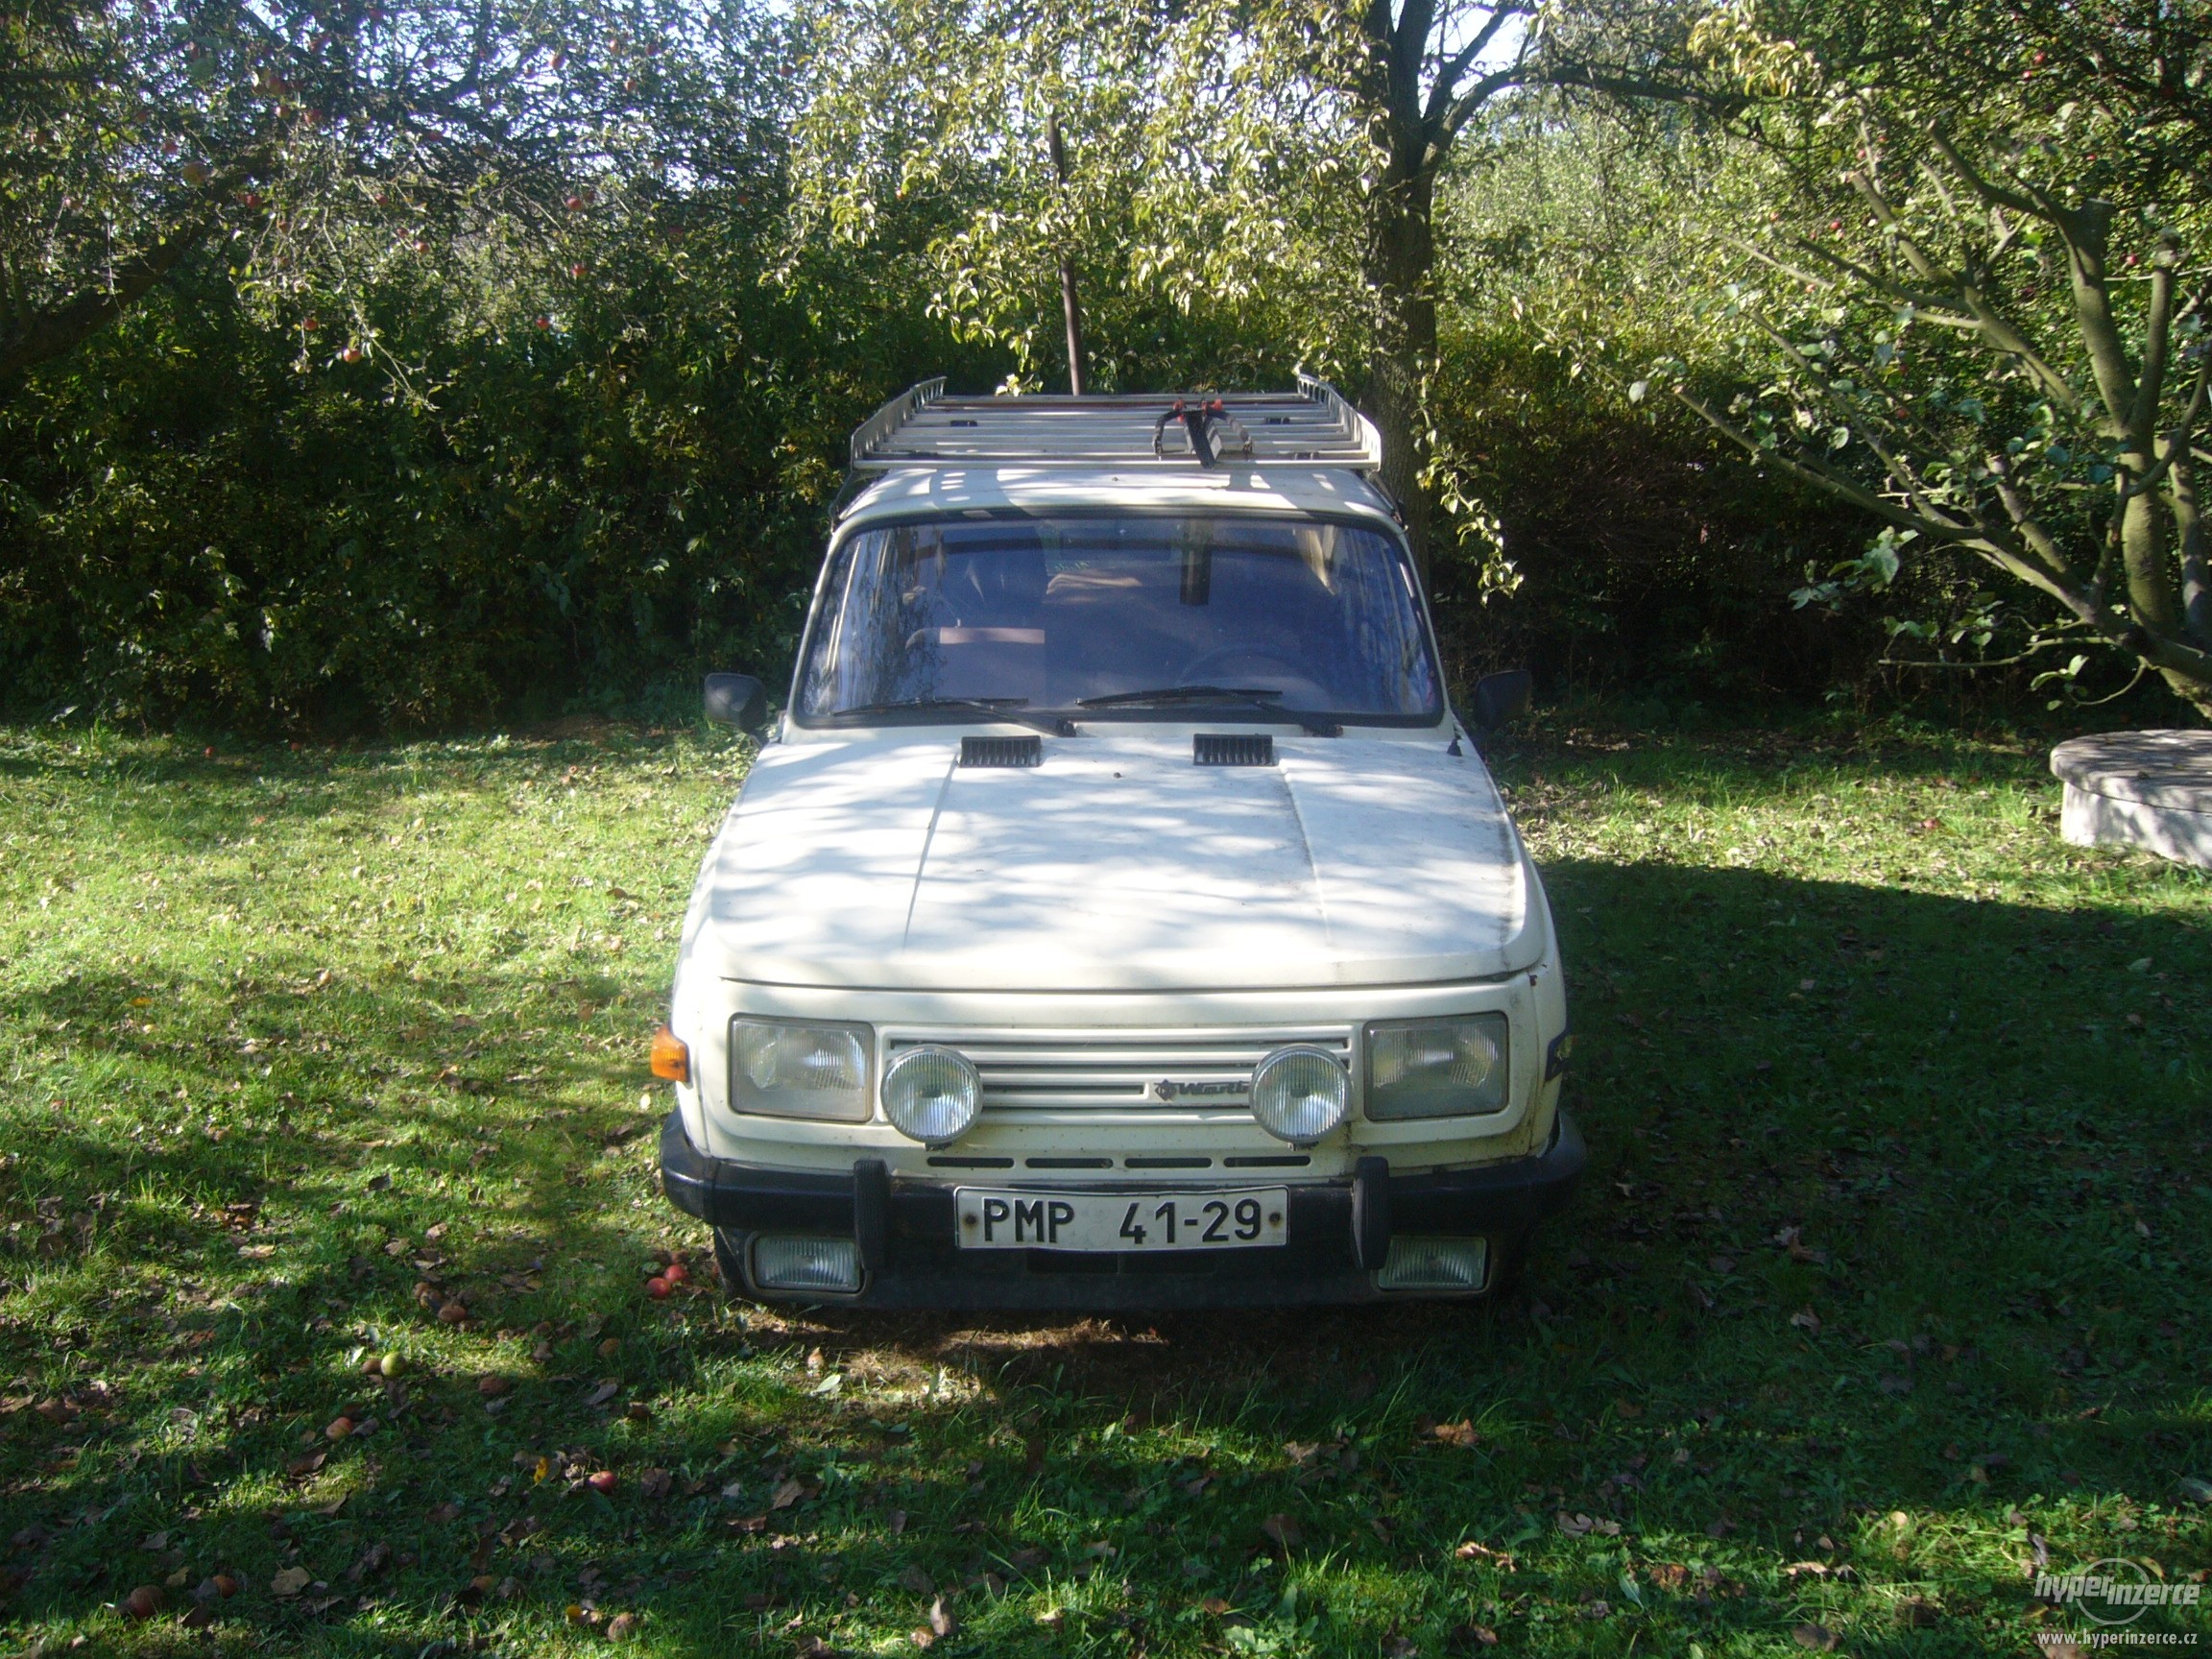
(910, 493)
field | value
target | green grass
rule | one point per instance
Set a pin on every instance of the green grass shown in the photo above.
(1889, 1271)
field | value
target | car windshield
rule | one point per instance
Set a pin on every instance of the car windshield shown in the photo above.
(1059, 612)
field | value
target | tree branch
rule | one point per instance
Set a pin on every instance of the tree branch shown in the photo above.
(29, 340)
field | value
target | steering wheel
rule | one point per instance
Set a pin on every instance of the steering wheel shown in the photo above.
(1206, 667)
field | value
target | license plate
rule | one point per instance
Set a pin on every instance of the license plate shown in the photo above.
(1241, 1218)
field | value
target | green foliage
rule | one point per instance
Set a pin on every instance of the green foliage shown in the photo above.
(1969, 298)
(613, 482)
(1897, 1109)
(1210, 209)
(374, 367)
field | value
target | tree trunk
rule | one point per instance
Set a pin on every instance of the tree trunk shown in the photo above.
(1071, 302)
(2147, 563)
(1401, 266)
(2189, 532)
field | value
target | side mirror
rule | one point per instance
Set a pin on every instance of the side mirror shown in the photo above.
(737, 700)
(1500, 698)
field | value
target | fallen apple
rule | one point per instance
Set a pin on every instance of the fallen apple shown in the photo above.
(340, 1427)
(143, 1602)
(656, 1288)
(393, 1365)
(675, 1273)
(602, 1481)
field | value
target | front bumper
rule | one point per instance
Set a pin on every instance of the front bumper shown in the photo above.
(1339, 1233)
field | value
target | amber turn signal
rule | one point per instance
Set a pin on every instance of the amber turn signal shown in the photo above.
(671, 1059)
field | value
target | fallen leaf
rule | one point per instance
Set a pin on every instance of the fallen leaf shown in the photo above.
(290, 1582)
(654, 1483)
(1461, 1433)
(1214, 1605)
(786, 1494)
(1473, 1636)
(1402, 1647)
(914, 1578)
(1807, 1321)
(1473, 1551)
(621, 1627)
(1818, 1637)
(1283, 1531)
(942, 1624)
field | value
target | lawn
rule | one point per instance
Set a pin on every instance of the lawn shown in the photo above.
(1886, 1287)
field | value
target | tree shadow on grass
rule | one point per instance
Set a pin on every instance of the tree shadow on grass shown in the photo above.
(1893, 1208)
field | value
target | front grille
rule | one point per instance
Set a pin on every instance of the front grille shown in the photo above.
(1183, 1069)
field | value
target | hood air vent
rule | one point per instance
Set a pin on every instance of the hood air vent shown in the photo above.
(1002, 752)
(1232, 748)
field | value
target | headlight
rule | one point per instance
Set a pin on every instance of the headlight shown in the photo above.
(789, 1068)
(1299, 1094)
(1453, 1068)
(931, 1095)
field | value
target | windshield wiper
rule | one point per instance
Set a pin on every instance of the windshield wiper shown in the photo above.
(1008, 708)
(1261, 699)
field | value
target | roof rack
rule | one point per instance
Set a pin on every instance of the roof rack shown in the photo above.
(923, 428)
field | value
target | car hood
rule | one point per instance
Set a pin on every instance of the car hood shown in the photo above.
(1115, 865)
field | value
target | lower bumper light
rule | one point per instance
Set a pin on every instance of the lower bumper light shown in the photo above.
(1435, 1265)
(786, 1263)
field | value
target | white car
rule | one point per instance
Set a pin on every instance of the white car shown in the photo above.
(1118, 916)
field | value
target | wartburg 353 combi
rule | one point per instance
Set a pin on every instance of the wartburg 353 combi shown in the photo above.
(1118, 916)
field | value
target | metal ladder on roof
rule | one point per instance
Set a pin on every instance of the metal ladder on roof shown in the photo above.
(1313, 426)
